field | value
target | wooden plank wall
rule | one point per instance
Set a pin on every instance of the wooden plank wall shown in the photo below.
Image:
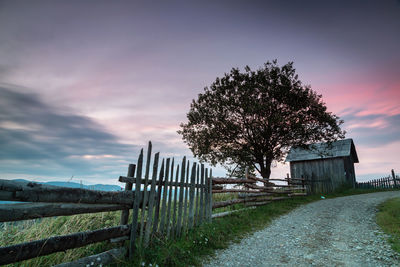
(324, 175)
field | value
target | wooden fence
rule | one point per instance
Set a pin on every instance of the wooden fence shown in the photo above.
(48, 201)
(166, 204)
(390, 182)
(254, 191)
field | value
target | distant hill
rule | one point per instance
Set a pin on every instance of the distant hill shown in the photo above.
(101, 187)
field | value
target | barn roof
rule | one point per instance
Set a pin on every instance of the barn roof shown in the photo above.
(340, 148)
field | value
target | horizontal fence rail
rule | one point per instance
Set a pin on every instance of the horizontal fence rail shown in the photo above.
(253, 191)
(35, 192)
(51, 245)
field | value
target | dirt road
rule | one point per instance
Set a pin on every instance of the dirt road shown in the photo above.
(331, 232)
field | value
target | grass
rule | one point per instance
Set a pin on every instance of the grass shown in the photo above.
(388, 218)
(189, 250)
(38, 229)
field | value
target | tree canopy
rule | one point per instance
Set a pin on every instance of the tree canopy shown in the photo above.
(254, 117)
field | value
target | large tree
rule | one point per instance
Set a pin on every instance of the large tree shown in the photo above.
(254, 117)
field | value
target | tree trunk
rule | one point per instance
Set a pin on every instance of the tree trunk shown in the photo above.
(265, 168)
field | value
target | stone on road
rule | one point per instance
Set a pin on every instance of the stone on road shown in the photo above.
(332, 232)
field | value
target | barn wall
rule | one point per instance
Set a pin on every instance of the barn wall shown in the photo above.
(323, 175)
(349, 169)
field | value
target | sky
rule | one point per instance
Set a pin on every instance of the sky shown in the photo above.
(85, 84)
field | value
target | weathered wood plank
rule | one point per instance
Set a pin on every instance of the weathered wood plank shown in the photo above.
(135, 207)
(146, 193)
(174, 219)
(235, 191)
(26, 211)
(232, 181)
(148, 159)
(128, 187)
(254, 195)
(206, 194)
(164, 198)
(169, 203)
(35, 192)
(226, 203)
(158, 202)
(180, 204)
(124, 179)
(202, 195)
(103, 258)
(210, 197)
(197, 196)
(151, 202)
(273, 179)
(29, 250)
(185, 200)
(247, 204)
(191, 196)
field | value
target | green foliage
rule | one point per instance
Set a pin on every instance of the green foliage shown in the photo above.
(388, 218)
(254, 117)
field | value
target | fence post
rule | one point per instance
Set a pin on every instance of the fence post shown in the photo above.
(136, 206)
(394, 179)
(202, 195)
(164, 197)
(128, 187)
(180, 203)
(185, 198)
(210, 196)
(174, 208)
(207, 194)
(152, 197)
(170, 192)
(197, 196)
(145, 192)
(191, 196)
(158, 202)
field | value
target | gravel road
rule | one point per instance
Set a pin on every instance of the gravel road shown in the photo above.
(330, 232)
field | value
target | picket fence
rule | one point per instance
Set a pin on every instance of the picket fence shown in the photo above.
(171, 203)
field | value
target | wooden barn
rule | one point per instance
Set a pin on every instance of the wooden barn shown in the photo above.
(325, 167)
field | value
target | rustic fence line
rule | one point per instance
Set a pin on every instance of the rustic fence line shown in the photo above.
(390, 182)
(251, 194)
(48, 201)
(169, 204)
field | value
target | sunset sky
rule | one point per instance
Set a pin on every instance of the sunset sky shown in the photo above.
(85, 84)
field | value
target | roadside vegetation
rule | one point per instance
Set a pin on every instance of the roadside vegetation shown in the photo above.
(388, 218)
(191, 249)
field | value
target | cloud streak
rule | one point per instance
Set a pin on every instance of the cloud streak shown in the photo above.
(60, 142)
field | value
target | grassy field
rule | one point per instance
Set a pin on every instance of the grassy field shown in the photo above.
(38, 229)
(191, 249)
(388, 218)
